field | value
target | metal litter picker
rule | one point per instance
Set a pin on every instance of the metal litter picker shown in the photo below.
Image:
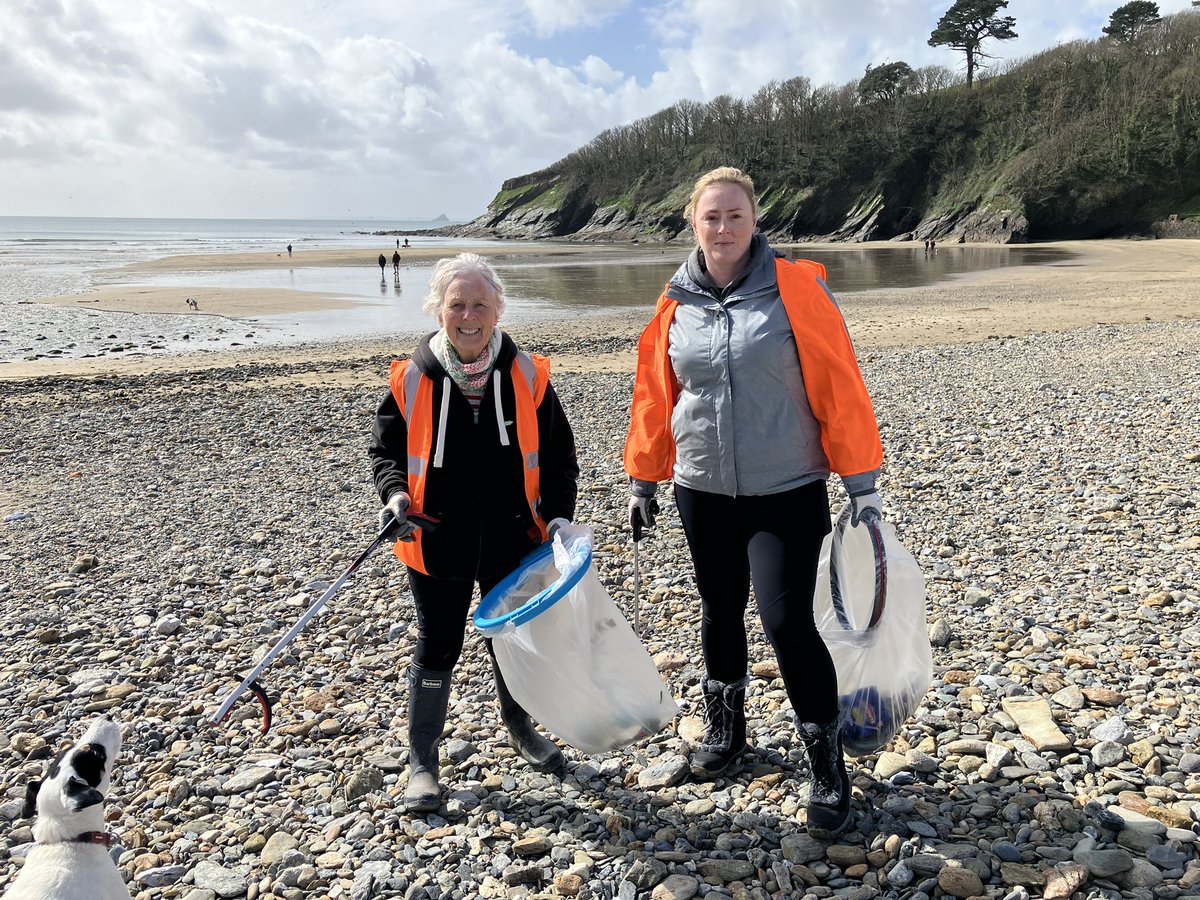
(250, 682)
(635, 523)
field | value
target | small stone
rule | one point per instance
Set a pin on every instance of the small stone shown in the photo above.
(666, 773)
(959, 882)
(535, 845)
(725, 870)
(278, 845)
(569, 885)
(1064, 880)
(212, 876)
(365, 781)
(676, 887)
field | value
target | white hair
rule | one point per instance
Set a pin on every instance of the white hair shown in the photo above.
(451, 267)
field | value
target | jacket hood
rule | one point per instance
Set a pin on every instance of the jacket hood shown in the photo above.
(691, 277)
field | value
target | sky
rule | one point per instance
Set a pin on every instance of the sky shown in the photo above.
(402, 109)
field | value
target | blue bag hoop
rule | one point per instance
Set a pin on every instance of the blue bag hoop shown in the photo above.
(535, 605)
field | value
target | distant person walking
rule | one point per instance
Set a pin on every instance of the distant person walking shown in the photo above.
(406, 242)
(289, 251)
(396, 263)
(382, 264)
(397, 243)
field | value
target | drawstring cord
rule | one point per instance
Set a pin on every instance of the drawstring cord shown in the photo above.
(499, 408)
(440, 453)
(445, 411)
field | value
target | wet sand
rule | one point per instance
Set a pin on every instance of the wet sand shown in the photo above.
(1108, 282)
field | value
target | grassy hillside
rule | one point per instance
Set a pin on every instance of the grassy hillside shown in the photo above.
(1090, 139)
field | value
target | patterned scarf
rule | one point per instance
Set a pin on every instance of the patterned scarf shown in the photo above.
(471, 377)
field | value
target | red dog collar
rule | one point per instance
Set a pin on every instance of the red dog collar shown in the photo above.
(94, 837)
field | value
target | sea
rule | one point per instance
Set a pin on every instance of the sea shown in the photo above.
(54, 256)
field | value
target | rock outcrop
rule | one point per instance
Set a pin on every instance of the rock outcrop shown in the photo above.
(547, 209)
(976, 226)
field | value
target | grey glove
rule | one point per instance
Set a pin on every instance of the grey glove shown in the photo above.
(865, 506)
(395, 508)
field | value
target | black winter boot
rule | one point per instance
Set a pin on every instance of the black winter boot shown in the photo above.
(428, 696)
(829, 793)
(724, 727)
(537, 750)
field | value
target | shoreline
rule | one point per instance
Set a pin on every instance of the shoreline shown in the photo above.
(1107, 282)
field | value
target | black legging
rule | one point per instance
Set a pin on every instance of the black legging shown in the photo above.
(442, 607)
(776, 540)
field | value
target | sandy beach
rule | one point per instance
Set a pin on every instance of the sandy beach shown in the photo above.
(1108, 282)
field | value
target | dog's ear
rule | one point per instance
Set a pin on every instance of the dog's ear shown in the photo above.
(82, 794)
(29, 810)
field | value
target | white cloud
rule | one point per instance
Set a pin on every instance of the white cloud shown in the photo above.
(551, 16)
(310, 107)
(597, 71)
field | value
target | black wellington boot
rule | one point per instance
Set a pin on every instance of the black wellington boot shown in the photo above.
(829, 793)
(724, 727)
(536, 749)
(428, 696)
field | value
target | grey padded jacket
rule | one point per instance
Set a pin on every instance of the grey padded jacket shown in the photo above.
(742, 423)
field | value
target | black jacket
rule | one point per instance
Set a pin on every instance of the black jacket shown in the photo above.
(479, 491)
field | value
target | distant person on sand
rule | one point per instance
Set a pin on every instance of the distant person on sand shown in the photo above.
(382, 264)
(397, 243)
(396, 263)
(406, 242)
(289, 250)
(472, 433)
(747, 396)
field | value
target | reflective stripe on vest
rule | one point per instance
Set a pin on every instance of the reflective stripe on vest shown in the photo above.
(413, 392)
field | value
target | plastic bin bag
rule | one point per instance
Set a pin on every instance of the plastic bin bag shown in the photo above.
(870, 609)
(568, 655)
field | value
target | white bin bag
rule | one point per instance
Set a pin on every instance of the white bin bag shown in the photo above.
(870, 609)
(568, 655)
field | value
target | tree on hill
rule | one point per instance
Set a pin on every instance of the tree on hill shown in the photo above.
(888, 81)
(1131, 20)
(967, 24)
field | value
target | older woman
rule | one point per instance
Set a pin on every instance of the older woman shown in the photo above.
(472, 433)
(747, 395)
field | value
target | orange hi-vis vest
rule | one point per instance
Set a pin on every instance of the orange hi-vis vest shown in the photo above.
(833, 383)
(413, 391)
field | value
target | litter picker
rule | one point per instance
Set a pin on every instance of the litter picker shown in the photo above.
(250, 682)
(635, 522)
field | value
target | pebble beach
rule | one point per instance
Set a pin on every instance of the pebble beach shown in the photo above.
(163, 521)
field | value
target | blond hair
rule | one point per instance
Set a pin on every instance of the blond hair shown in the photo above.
(721, 174)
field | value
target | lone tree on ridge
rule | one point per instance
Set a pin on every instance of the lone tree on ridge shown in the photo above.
(1129, 22)
(967, 24)
(887, 81)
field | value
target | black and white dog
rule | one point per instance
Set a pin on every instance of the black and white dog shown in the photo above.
(69, 859)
